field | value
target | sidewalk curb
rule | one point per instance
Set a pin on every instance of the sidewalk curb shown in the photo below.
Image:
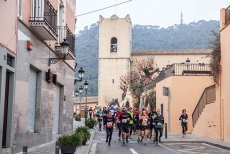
(213, 144)
(91, 141)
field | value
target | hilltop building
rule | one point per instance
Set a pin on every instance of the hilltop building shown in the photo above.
(116, 58)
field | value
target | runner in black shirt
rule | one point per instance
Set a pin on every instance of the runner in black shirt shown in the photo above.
(152, 115)
(109, 122)
(184, 122)
(124, 121)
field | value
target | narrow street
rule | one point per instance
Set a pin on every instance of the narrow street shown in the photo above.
(133, 146)
(138, 148)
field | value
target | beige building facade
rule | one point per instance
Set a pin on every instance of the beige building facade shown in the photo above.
(214, 120)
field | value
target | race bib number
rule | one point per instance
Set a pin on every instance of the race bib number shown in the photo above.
(109, 123)
(159, 124)
(145, 120)
(124, 120)
(104, 114)
(100, 115)
(117, 120)
(184, 120)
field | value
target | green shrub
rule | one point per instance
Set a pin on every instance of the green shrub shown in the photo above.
(90, 121)
(84, 132)
(77, 116)
(70, 140)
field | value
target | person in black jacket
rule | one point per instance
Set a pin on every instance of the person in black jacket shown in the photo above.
(152, 115)
(159, 122)
(90, 112)
(184, 122)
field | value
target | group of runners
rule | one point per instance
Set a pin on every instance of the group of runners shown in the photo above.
(130, 121)
(145, 123)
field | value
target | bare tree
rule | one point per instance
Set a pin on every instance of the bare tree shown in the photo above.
(134, 80)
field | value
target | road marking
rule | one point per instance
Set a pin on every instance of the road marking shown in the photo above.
(133, 151)
(169, 149)
(222, 150)
(93, 148)
(192, 149)
(103, 139)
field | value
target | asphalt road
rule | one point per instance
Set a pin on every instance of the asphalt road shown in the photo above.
(139, 148)
(132, 148)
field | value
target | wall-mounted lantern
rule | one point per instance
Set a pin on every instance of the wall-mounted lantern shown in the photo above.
(64, 50)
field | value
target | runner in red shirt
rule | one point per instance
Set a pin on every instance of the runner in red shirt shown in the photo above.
(117, 120)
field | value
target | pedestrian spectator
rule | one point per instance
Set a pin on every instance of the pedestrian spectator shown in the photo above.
(90, 112)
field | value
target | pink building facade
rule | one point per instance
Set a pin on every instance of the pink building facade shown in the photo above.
(8, 51)
(36, 87)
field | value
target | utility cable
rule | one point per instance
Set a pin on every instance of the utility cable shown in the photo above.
(103, 8)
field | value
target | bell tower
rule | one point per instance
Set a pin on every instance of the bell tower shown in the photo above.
(115, 46)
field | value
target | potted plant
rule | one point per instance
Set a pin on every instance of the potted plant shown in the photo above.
(77, 117)
(90, 122)
(69, 143)
(84, 132)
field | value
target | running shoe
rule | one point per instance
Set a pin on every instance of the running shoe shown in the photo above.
(119, 138)
(145, 144)
(130, 137)
(109, 144)
(138, 140)
(127, 141)
(106, 141)
(123, 144)
(141, 139)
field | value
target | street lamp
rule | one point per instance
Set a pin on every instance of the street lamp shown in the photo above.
(80, 92)
(76, 94)
(187, 63)
(81, 74)
(86, 109)
(64, 51)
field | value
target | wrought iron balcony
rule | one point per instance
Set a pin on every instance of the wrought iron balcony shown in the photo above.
(65, 33)
(44, 19)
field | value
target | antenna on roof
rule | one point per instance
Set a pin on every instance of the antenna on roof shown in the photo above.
(181, 18)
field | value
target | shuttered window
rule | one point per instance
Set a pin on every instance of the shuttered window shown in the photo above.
(31, 100)
(56, 109)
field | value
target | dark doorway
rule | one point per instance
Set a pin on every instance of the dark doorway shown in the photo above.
(5, 110)
(162, 110)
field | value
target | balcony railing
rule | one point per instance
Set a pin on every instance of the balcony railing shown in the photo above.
(207, 97)
(65, 33)
(43, 14)
(179, 70)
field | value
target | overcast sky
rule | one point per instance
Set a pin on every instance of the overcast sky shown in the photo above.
(163, 13)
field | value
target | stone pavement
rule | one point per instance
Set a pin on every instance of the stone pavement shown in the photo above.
(49, 148)
(177, 137)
